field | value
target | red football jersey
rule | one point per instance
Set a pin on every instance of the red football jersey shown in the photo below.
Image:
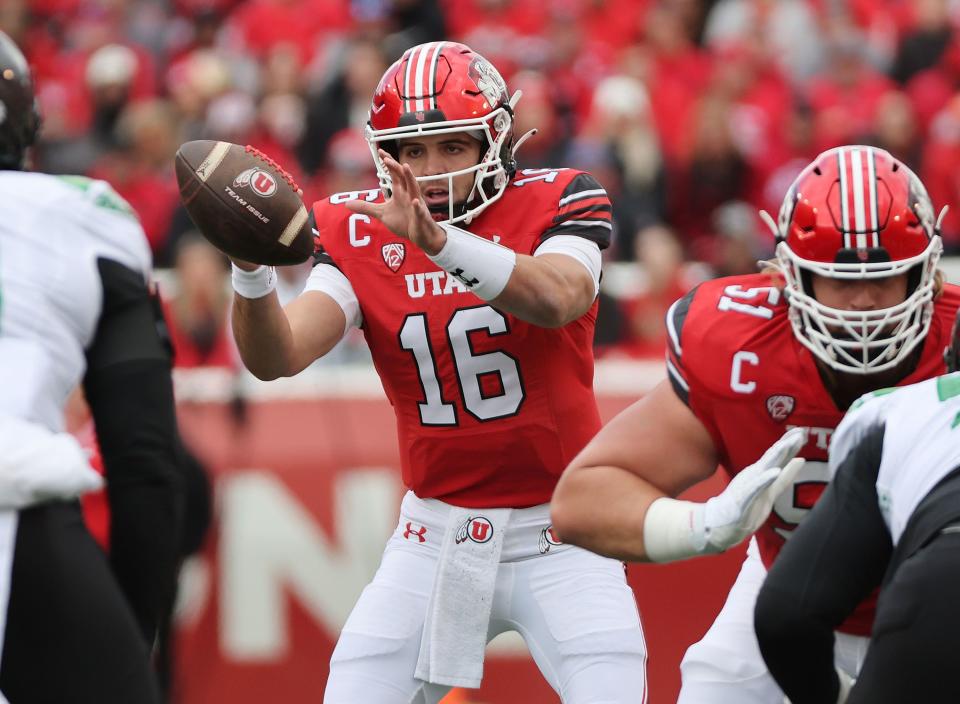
(490, 409)
(734, 360)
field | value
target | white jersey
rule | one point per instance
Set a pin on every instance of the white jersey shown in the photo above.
(921, 442)
(53, 232)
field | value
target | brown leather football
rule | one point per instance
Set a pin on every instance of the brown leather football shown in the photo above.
(243, 202)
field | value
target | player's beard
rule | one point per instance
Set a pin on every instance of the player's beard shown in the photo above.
(845, 388)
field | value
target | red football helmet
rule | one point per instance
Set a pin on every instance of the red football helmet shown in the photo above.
(856, 212)
(443, 87)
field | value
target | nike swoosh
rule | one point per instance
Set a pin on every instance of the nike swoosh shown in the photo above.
(374, 109)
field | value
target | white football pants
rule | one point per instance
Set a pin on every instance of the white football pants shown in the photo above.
(726, 666)
(573, 608)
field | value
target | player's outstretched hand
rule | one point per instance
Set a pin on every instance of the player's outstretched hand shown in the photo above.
(404, 213)
(676, 530)
(747, 501)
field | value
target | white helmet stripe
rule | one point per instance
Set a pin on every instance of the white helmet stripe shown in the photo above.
(844, 209)
(419, 82)
(859, 204)
(407, 105)
(432, 87)
(874, 203)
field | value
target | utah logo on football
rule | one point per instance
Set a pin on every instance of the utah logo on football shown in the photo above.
(262, 183)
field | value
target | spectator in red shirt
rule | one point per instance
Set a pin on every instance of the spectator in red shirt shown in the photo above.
(139, 168)
(847, 95)
(660, 256)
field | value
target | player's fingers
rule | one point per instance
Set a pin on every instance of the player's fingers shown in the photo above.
(787, 475)
(393, 166)
(413, 188)
(785, 448)
(364, 208)
(423, 217)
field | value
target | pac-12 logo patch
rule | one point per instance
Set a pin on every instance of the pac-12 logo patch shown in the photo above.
(780, 406)
(547, 540)
(393, 255)
(475, 528)
(261, 182)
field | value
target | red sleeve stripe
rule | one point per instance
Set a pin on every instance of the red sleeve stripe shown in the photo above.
(584, 205)
(594, 213)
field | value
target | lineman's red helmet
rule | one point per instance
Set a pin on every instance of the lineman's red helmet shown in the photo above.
(856, 212)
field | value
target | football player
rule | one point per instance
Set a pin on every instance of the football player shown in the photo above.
(475, 285)
(853, 302)
(75, 307)
(890, 515)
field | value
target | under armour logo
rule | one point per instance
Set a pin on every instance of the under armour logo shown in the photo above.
(470, 283)
(418, 534)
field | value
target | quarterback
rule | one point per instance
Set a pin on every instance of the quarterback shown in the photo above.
(475, 286)
(853, 302)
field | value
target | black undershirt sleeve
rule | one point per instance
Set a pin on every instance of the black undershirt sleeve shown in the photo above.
(129, 389)
(833, 561)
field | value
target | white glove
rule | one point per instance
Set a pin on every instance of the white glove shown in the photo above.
(676, 530)
(38, 465)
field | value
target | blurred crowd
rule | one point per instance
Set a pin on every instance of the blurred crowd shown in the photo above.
(693, 114)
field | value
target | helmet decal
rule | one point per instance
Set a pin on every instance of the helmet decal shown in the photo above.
(488, 81)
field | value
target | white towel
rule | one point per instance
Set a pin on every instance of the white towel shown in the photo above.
(37, 464)
(458, 616)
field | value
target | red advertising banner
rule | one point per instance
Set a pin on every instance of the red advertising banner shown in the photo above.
(306, 493)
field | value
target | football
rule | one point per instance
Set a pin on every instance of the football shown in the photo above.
(243, 202)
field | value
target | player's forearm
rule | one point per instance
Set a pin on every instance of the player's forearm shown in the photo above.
(602, 509)
(540, 293)
(263, 336)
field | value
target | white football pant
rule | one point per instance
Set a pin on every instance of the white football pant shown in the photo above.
(573, 608)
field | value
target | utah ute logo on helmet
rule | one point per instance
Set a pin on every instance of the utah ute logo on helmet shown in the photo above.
(393, 255)
(488, 80)
(780, 406)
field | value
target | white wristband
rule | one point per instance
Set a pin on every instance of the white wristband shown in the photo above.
(674, 530)
(254, 284)
(482, 266)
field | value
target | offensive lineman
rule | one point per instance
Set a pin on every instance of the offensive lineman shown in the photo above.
(75, 307)
(891, 514)
(475, 286)
(857, 305)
